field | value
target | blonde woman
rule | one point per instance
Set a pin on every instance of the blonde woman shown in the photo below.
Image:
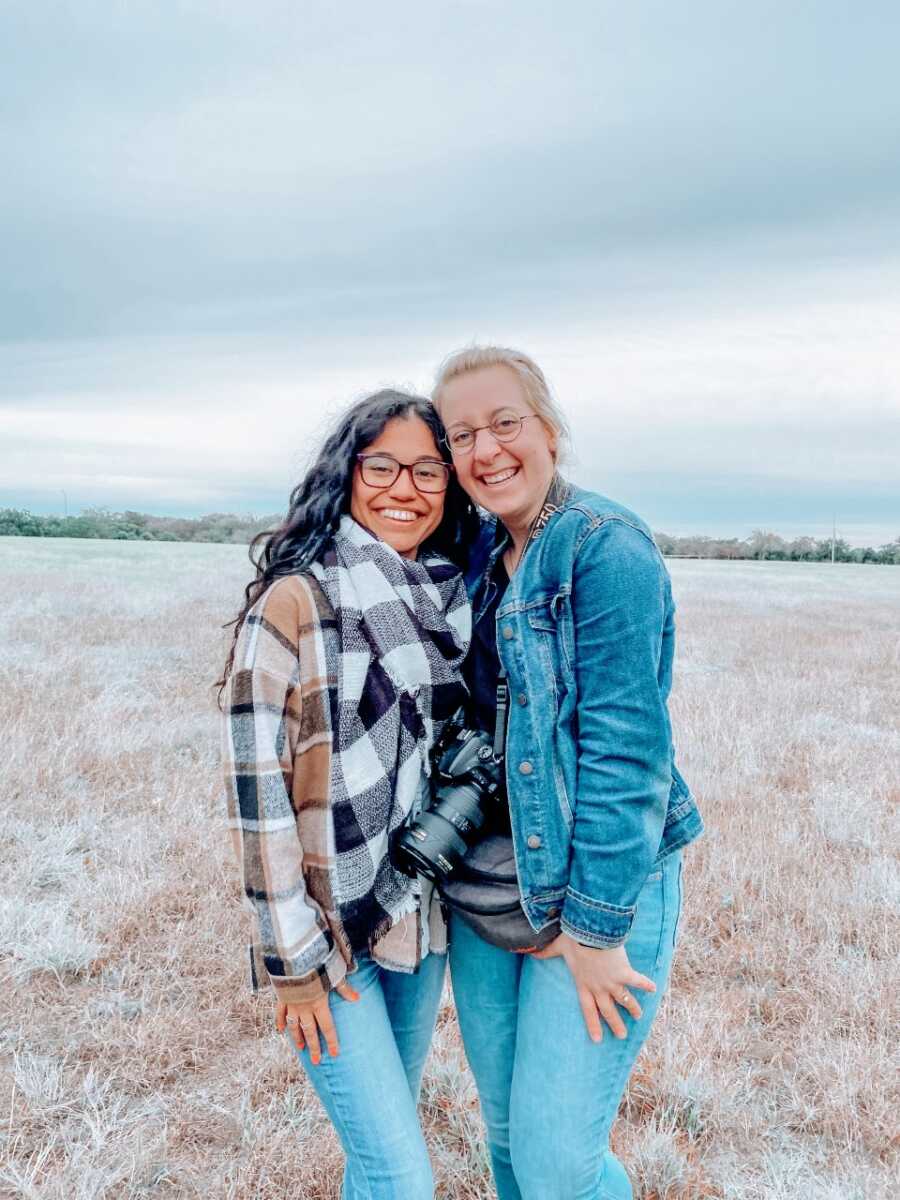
(572, 600)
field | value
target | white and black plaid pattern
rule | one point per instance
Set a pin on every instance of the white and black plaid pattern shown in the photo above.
(404, 628)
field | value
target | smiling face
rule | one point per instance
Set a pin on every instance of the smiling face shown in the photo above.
(507, 478)
(399, 514)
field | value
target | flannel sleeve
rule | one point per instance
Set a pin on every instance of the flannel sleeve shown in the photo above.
(269, 736)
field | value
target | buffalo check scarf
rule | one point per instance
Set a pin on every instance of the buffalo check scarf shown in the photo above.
(404, 628)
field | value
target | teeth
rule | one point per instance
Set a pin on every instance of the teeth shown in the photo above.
(399, 514)
(501, 476)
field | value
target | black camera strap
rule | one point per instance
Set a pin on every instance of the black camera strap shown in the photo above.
(502, 709)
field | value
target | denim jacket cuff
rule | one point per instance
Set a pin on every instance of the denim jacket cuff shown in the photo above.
(593, 923)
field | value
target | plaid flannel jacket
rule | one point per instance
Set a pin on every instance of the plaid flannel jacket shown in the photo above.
(277, 743)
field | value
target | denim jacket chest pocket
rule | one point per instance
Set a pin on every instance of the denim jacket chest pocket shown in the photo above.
(548, 634)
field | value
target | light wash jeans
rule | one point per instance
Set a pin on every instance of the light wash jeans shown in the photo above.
(371, 1089)
(549, 1094)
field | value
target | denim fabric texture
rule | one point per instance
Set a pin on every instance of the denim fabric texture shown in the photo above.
(371, 1089)
(585, 633)
(549, 1095)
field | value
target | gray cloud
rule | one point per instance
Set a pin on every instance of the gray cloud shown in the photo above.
(688, 214)
(213, 167)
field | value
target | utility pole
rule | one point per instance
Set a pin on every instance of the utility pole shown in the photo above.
(833, 535)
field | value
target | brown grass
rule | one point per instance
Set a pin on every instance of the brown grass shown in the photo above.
(133, 1061)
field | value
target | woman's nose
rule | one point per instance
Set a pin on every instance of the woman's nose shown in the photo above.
(403, 486)
(486, 447)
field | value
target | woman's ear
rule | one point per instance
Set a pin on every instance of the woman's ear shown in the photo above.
(552, 438)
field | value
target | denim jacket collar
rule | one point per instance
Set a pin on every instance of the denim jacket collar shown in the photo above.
(558, 494)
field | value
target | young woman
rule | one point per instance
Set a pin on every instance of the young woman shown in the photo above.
(572, 598)
(346, 664)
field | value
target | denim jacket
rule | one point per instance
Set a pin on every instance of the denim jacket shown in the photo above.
(586, 635)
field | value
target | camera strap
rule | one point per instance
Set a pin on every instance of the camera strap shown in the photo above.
(502, 709)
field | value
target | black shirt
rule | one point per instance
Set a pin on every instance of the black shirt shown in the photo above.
(482, 666)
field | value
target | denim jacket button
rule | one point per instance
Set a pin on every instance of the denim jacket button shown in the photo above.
(553, 911)
(525, 768)
(508, 632)
(522, 699)
(534, 842)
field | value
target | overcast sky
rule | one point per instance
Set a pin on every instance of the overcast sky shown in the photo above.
(222, 222)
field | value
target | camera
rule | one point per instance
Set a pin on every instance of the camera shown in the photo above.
(468, 784)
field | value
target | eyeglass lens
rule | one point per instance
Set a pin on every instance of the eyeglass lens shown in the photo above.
(505, 427)
(382, 471)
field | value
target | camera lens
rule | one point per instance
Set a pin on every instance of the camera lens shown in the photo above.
(434, 844)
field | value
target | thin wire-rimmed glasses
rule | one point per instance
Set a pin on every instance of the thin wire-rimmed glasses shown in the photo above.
(382, 471)
(505, 427)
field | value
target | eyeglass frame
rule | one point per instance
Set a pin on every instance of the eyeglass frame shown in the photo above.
(401, 466)
(476, 429)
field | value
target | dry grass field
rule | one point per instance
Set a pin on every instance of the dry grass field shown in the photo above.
(134, 1062)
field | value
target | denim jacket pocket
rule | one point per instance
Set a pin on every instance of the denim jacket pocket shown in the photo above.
(547, 619)
(540, 616)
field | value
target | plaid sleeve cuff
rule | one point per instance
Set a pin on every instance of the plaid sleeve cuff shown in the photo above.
(308, 988)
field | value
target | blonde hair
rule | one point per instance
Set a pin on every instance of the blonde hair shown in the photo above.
(534, 385)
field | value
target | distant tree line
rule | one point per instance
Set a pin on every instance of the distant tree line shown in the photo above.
(761, 544)
(227, 527)
(135, 526)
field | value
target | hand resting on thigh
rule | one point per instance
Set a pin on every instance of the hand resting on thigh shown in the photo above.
(602, 980)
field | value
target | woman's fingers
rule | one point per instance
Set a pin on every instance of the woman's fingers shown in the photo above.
(288, 1019)
(591, 1017)
(297, 1033)
(630, 1004)
(280, 1016)
(311, 1034)
(604, 1004)
(326, 1027)
(310, 1024)
(636, 979)
(293, 1023)
(611, 1016)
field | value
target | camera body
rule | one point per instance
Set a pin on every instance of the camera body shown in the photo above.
(468, 786)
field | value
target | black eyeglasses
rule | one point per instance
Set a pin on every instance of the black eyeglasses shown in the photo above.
(505, 427)
(382, 470)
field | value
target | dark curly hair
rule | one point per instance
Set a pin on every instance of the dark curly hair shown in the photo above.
(322, 497)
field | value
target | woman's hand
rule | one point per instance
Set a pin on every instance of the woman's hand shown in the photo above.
(602, 979)
(307, 1021)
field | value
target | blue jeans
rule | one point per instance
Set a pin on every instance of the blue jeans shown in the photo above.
(549, 1094)
(371, 1089)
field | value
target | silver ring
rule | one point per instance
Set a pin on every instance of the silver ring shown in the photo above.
(625, 998)
(293, 1020)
